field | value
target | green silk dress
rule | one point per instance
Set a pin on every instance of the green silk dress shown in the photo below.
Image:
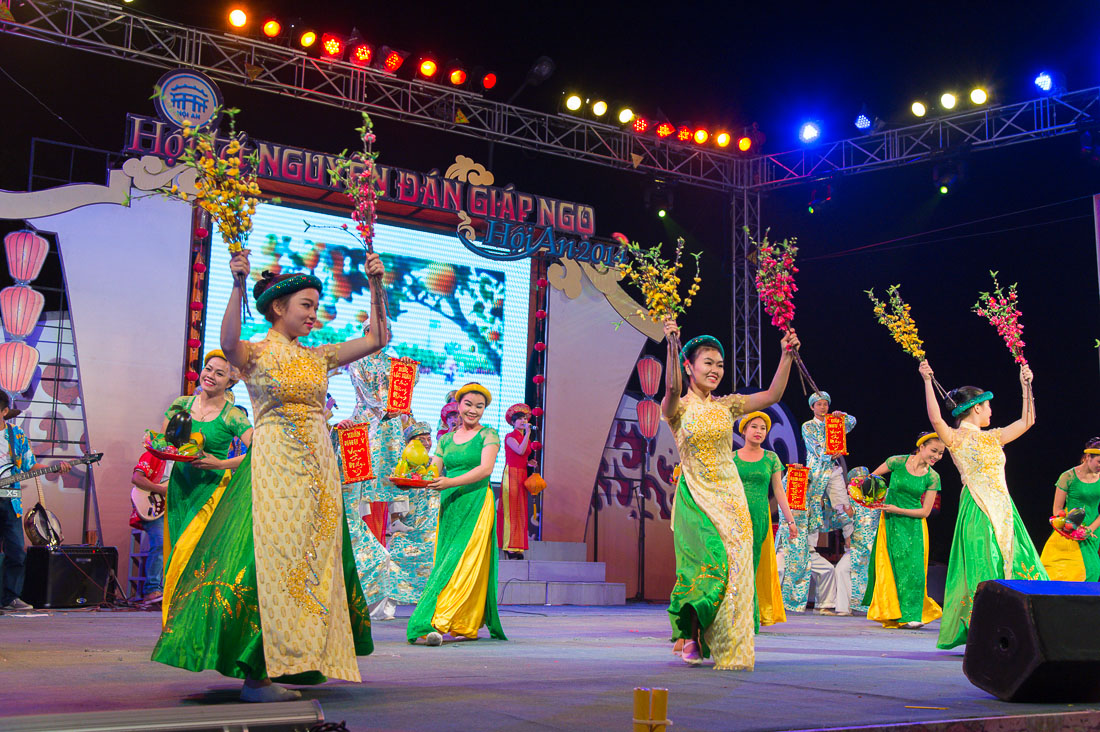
(189, 488)
(1066, 559)
(900, 594)
(460, 595)
(990, 539)
(756, 477)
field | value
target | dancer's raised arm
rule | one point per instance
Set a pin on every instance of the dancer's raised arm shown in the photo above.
(764, 399)
(378, 335)
(1027, 418)
(236, 351)
(674, 385)
(932, 405)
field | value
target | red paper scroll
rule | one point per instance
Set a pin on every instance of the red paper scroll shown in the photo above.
(836, 438)
(798, 482)
(402, 377)
(355, 453)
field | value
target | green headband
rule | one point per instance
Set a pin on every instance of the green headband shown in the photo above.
(696, 342)
(289, 286)
(985, 396)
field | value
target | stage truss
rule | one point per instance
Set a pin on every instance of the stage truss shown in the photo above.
(120, 32)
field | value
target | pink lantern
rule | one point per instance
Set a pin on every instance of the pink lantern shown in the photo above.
(17, 364)
(20, 306)
(26, 252)
(649, 373)
(649, 418)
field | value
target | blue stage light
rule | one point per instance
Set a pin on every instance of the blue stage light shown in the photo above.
(809, 132)
(863, 122)
(1044, 82)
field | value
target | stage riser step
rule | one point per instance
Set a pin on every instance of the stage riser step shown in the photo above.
(527, 592)
(556, 551)
(522, 569)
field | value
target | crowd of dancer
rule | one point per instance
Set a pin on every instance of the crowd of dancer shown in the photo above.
(275, 566)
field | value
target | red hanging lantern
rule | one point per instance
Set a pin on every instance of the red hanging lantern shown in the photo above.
(17, 364)
(649, 373)
(20, 307)
(26, 252)
(537, 412)
(192, 376)
(536, 445)
(540, 314)
(540, 346)
(649, 418)
(541, 282)
(538, 378)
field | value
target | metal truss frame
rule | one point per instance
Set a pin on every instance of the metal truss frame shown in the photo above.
(118, 32)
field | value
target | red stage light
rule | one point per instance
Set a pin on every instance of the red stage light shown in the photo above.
(457, 77)
(744, 144)
(684, 134)
(723, 139)
(701, 136)
(272, 28)
(488, 81)
(361, 54)
(428, 68)
(332, 45)
(307, 39)
(665, 129)
(392, 59)
(641, 124)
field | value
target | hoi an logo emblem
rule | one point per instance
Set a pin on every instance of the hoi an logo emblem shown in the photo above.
(187, 96)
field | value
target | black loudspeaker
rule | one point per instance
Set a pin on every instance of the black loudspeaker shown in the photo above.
(68, 576)
(1035, 641)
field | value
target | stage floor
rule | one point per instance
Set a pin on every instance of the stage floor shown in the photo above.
(565, 668)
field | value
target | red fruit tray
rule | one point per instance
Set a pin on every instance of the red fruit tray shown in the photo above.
(409, 482)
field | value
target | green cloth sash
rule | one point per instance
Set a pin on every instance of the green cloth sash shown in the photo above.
(702, 569)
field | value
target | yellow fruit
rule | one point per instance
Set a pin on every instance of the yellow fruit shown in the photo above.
(433, 471)
(402, 468)
(415, 454)
(199, 439)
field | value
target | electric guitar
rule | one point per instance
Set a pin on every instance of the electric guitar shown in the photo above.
(41, 525)
(149, 505)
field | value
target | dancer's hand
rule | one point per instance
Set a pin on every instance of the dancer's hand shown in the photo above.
(440, 484)
(344, 424)
(207, 462)
(888, 508)
(926, 372)
(790, 343)
(792, 530)
(672, 331)
(239, 265)
(1025, 376)
(374, 265)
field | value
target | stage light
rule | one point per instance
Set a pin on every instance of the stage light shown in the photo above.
(665, 129)
(625, 115)
(238, 18)
(427, 68)
(488, 81)
(809, 132)
(457, 77)
(641, 124)
(863, 122)
(819, 197)
(1044, 82)
(361, 53)
(723, 139)
(944, 190)
(332, 46)
(599, 108)
(744, 143)
(661, 213)
(948, 100)
(389, 59)
(701, 136)
(919, 110)
(272, 28)
(683, 134)
(947, 173)
(979, 96)
(307, 39)
(573, 103)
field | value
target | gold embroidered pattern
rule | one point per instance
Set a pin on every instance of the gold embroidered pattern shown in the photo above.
(981, 462)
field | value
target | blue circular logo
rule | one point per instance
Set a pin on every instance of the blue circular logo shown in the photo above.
(187, 96)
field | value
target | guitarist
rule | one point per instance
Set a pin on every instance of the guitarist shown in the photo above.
(16, 457)
(149, 476)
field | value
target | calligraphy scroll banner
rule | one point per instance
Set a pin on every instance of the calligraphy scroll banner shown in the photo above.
(355, 453)
(402, 378)
(836, 437)
(798, 482)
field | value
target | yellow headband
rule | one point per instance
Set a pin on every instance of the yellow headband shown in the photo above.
(926, 438)
(216, 353)
(1092, 451)
(750, 417)
(474, 388)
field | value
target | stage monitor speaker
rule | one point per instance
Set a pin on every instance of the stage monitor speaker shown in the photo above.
(68, 576)
(1035, 641)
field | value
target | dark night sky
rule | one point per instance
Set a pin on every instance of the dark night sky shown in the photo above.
(776, 65)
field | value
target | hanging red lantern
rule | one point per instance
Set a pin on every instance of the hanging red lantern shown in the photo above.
(540, 346)
(193, 343)
(20, 307)
(541, 282)
(537, 412)
(199, 267)
(538, 378)
(649, 418)
(540, 314)
(649, 373)
(536, 445)
(196, 305)
(26, 252)
(192, 376)
(17, 364)
(201, 232)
